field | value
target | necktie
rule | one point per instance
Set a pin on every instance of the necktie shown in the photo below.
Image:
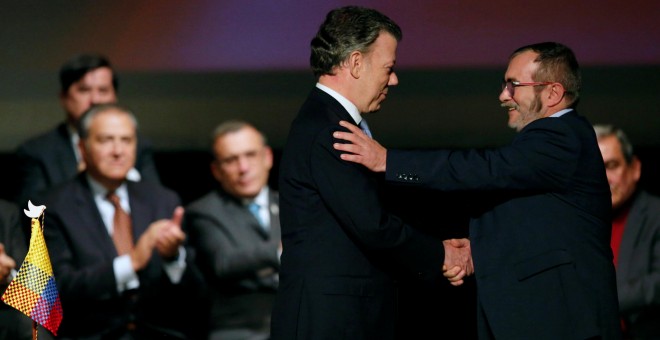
(122, 229)
(254, 209)
(365, 128)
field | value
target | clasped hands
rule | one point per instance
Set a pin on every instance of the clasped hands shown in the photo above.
(458, 260)
(164, 235)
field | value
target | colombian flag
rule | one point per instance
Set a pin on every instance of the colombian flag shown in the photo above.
(33, 290)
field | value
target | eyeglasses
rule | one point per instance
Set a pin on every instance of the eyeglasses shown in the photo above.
(511, 85)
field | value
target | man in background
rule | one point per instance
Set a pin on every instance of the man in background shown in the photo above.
(116, 245)
(235, 231)
(53, 157)
(635, 236)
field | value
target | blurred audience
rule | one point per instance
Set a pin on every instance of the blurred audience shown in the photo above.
(117, 245)
(53, 157)
(235, 231)
(635, 236)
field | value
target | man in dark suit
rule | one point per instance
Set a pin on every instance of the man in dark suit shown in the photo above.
(235, 231)
(340, 247)
(540, 227)
(13, 248)
(635, 236)
(53, 157)
(116, 245)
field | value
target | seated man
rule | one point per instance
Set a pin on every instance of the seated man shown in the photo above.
(635, 236)
(116, 245)
(53, 157)
(237, 248)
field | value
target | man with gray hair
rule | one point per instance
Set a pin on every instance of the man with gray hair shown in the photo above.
(635, 236)
(235, 231)
(116, 245)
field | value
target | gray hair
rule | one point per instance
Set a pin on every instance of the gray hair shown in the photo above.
(345, 30)
(87, 117)
(606, 130)
(232, 126)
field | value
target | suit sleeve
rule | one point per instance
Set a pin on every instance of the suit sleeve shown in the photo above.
(540, 158)
(638, 293)
(219, 250)
(349, 191)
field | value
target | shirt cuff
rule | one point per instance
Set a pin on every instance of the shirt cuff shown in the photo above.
(124, 274)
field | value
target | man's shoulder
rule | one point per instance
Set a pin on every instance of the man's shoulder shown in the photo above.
(213, 200)
(48, 140)
(652, 202)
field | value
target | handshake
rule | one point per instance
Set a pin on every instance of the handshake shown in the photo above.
(458, 260)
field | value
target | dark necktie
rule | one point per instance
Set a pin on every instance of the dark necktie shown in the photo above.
(365, 128)
(122, 232)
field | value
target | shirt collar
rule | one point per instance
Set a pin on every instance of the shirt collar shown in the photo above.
(100, 192)
(561, 113)
(350, 107)
(261, 199)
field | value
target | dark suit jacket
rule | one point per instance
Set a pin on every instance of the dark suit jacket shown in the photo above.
(49, 159)
(340, 246)
(238, 258)
(82, 253)
(540, 232)
(13, 324)
(638, 270)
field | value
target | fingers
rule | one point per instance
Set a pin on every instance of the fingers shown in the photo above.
(177, 216)
(352, 128)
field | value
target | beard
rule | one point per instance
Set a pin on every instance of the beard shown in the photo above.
(525, 116)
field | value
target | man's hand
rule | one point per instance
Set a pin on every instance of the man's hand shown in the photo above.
(361, 148)
(6, 264)
(458, 260)
(171, 236)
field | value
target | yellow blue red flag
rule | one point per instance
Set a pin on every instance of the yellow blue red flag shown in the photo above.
(33, 290)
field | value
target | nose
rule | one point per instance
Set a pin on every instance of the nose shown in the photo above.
(243, 164)
(504, 95)
(95, 98)
(394, 80)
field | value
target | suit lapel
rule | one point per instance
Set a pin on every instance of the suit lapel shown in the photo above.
(66, 157)
(90, 218)
(140, 211)
(631, 235)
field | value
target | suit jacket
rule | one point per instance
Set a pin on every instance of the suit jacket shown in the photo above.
(49, 159)
(340, 245)
(638, 271)
(13, 324)
(238, 258)
(82, 254)
(540, 229)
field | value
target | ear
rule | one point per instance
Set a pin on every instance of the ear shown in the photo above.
(268, 154)
(636, 168)
(355, 63)
(215, 170)
(556, 94)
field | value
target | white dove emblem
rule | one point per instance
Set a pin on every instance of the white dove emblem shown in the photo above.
(35, 210)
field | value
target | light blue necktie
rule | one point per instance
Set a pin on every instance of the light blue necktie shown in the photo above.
(365, 128)
(254, 209)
